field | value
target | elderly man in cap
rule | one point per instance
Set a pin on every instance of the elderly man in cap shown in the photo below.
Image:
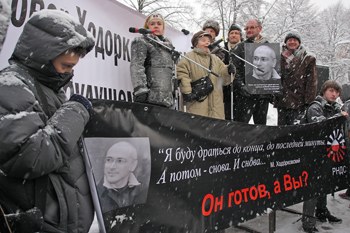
(188, 71)
(299, 80)
(213, 28)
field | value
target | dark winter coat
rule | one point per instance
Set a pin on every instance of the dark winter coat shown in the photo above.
(346, 108)
(299, 81)
(219, 52)
(40, 161)
(321, 110)
(227, 54)
(151, 70)
(227, 58)
(111, 199)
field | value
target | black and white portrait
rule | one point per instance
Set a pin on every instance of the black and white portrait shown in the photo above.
(122, 168)
(263, 76)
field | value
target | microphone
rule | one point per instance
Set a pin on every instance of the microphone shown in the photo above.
(140, 30)
(184, 31)
(215, 44)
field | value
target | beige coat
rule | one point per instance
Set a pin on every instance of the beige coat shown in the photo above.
(187, 72)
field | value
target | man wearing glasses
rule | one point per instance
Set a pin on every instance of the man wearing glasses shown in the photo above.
(248, 104)
(120, 187)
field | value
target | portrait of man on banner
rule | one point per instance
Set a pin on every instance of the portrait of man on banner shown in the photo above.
(263, 77)
(122, 169)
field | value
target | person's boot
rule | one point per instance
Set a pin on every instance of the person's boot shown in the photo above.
(324, 215)
(310, 230)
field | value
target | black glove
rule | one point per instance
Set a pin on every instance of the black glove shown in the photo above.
(141, 98)
(29, 221)
(175, 55)
(244, 91)
(84, 101)
(190, 97)
(231, 69)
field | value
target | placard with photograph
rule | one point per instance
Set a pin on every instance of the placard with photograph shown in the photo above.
(264, 77)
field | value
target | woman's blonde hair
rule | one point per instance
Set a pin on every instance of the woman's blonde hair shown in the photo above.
(153, 16)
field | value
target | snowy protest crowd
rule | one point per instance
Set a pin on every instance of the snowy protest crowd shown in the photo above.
(150, 136)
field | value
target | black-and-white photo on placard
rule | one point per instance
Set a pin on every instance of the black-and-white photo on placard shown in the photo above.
(122, 168)
(263, 77)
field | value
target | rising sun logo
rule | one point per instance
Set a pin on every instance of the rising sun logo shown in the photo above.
(336, 146)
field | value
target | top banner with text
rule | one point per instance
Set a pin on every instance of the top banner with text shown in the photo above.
(105, 72)
(208, 174)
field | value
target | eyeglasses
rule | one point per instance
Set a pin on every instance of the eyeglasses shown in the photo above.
(111, 161)
(251, 27)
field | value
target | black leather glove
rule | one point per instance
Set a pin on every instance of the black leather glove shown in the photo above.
(142, 98)
(231, 68)
(190, 97)
(84, 101)
(175, 55)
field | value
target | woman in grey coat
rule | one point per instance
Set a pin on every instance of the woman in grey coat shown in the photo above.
(43, 182)
(151, 66)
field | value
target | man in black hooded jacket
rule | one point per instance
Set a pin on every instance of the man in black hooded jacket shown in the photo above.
(43, 182)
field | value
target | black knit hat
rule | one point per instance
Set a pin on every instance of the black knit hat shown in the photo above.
(292, 35)
(234, 27)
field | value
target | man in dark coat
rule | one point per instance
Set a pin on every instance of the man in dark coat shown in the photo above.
(299, 80)
(234, 37)
(322, 108)
(41, 165)
(248, 105)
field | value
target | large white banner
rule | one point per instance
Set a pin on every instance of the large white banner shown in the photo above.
(104, 72)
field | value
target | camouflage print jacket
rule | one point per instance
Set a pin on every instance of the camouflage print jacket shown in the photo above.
(151, 70)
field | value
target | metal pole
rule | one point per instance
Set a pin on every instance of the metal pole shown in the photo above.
(242, 59)
(231, 97)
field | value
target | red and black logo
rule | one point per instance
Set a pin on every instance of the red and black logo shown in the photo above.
(336, 146)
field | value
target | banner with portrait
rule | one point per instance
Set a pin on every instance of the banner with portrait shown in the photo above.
(198, 173)
(263, 77)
